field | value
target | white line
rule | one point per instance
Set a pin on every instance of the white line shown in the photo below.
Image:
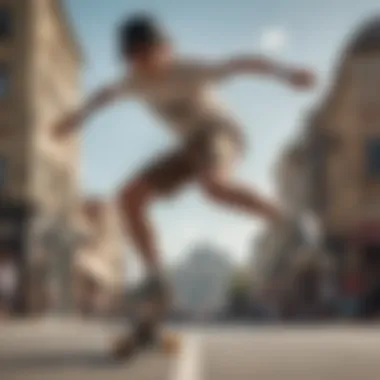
(188, 364)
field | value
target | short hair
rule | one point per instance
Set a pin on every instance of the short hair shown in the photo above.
(139, 33)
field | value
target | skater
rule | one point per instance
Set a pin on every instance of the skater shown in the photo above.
(210, 140)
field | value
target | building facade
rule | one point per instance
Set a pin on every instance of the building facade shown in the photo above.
(291, 178)
(345, 140)
(281, 251)
(279, 242)
(39, 82)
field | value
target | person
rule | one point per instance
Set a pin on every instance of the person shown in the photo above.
(210, 141)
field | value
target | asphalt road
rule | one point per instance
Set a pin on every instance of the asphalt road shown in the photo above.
(74, 350)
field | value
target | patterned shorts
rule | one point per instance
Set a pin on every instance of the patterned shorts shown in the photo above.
(207, 151)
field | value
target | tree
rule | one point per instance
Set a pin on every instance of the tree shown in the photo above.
(239, 296)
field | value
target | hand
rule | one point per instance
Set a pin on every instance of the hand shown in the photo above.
(302, 79)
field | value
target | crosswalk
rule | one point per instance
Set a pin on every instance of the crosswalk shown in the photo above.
(188, 364)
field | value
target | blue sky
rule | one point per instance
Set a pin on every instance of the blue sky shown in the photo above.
(121, 139)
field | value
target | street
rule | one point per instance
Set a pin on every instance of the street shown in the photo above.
(78, 350)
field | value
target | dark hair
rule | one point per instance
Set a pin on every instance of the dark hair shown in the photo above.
(139, 33)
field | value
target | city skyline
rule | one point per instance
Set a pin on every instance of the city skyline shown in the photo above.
(311, 35)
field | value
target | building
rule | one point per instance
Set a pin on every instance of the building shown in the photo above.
(100, 264)
(276, 245)
(291, 179)
(263, 258)
(344, 137)
(40, 63)
(202, 281)
(280, 250)
(274, 252)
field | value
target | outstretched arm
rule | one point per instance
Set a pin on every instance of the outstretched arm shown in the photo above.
(255, 65)
(94, 103)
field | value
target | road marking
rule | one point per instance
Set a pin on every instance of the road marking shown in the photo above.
(188, 364)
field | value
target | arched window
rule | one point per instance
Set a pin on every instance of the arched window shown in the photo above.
(373, 158)
(4, 80)
(3, 172)
(6, 22)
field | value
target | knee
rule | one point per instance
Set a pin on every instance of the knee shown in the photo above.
(134, 198)
(213, 189)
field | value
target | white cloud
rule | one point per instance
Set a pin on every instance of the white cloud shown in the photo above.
(274, 40)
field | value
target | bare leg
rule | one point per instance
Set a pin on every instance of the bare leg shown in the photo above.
(160, 178)
(133, 202)
(241, 197)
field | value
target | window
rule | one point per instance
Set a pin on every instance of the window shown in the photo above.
(4, 81)
(3, 172)
(373, 158)
(5, 22)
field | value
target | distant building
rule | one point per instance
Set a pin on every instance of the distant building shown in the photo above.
(274, 250)
(40, 63)
(202, 281)
(292, 180)
(276, 244)
(279, 249)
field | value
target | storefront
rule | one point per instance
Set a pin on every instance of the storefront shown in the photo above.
(13, 239)
(357, 259)
(366, 242)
